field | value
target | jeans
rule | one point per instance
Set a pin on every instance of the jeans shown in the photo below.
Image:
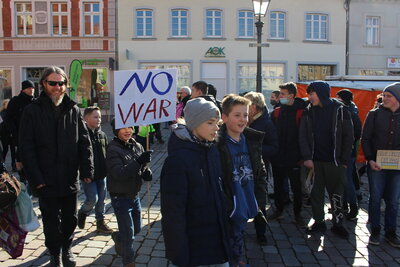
(95, 193)
(350, 189)
(129, 219)
(59, 221)
(383, 184)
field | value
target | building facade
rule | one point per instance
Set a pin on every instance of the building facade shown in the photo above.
(211, 41)
(41, 33)
(374, 37)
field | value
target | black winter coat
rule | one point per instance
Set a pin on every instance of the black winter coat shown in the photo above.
(124, 173)
(270, 142)
(287, 125)
(192, 203)
(254, 143)
(99, 144)
(54, 152)
(381, 132)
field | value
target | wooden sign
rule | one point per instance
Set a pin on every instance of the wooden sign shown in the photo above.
(388, 159)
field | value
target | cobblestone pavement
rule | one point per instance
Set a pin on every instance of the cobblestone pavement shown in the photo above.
(287, 244)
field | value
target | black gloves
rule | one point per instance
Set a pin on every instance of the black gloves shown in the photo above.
(145, 157)
(147, 175)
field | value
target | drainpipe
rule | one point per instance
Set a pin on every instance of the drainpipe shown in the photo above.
(346, 6)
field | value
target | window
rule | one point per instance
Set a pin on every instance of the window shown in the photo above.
(144, 23)
(372, 72)
(24, 19)
(5, 84)
(213, 23)
(59, 18)
(92, 18)
(277, 25)
(314, 72)
(183, 74)
(372, 25)
(246, 24)
(272, 75)
(316, 27)
(179, 23)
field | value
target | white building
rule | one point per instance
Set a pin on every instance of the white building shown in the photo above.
(374, 37)
(209, 40)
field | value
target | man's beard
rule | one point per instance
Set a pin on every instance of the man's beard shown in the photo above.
(57, 99)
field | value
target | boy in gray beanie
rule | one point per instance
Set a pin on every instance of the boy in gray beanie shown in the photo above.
(199, 110)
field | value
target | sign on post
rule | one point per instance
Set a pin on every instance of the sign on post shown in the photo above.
(144, 97)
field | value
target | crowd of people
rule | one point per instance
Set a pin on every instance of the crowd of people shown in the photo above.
(214, 179)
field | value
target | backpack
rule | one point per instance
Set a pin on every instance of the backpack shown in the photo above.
(299, 113)
(10, 188)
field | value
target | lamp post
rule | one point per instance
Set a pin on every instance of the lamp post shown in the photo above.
(260, 9)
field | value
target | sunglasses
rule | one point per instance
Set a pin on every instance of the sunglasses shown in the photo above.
(54, 83)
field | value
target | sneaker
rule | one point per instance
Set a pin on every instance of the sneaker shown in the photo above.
(103, 228)
(352, 215)
(340, 231)
(261, 240)
(81, 220)
(316, 228)
(275, 216)
(374, 238)
(392, 239)
(299, 220)
(117, 244)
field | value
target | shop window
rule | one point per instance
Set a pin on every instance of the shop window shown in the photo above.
(183, 73)
(314, 72)
(92, 83)
(5, 84)
(372, 72)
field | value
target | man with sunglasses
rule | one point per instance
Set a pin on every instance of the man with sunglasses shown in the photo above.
(55, 148)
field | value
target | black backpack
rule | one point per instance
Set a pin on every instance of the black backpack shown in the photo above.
(10, 188)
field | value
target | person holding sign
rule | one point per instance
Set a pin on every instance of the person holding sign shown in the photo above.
(126, 168)
(192, 200)
(382, 132)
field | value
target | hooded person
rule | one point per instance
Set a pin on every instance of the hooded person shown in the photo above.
(326, 139)
(192, 201)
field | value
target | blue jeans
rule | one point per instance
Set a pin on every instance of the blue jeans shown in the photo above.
(350, 189)
(95, 193)
(383, 184)
(129, 219)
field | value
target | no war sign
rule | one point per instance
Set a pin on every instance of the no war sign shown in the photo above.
(144, 97)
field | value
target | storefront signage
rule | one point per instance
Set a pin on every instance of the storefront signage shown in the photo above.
(104, 100)
(393, 62)
(144, 97)
(215, 52)
(93, 61)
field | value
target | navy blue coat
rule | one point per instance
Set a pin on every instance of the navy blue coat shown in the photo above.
(192, 205)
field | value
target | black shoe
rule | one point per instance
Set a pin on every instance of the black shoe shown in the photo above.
(392, 239)
(102, 227)
(340, 231)
(55, 260)
(374, 238)
(261, 240)
(299, 220)
(81, 220)
(352, 215)
(316, 228)
(117, 244)
(68, 259)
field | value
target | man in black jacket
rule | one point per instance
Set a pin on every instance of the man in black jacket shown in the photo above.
(14, 113)
(287, 163)
(55, 147)
(259, 120)
(200, 89)
(326, 139)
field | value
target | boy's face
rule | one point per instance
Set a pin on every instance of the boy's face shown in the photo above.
(389, 101)
(207, 130)
(314, 99)
(93, 119)
(237, 119)
(125, 134)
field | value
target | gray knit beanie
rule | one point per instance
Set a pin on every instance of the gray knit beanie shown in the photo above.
(199, 110)
(394, 89)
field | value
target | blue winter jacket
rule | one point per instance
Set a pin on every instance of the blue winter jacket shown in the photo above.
(192, 203)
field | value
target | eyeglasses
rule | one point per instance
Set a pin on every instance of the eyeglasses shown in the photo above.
(54, 83)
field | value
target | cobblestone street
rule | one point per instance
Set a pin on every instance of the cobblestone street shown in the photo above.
(287, 243)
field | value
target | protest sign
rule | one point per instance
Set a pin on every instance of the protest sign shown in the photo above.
(388, 159)
(144, 97)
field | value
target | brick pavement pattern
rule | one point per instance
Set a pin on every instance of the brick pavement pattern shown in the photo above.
(287, 244)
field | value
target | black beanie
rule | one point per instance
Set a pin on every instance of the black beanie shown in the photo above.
(346, 95)
(115, 131)
(27, 84)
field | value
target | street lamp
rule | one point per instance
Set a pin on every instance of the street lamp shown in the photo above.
(260, 9)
